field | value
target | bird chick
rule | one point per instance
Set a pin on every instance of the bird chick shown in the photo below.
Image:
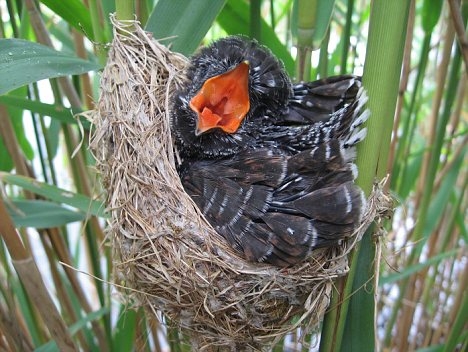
(270, 164)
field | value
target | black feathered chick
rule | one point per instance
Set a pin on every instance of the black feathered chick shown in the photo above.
(269, 163)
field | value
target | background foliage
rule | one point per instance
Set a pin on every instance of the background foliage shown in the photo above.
(55, 259)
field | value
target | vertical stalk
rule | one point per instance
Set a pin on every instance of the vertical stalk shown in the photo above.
(124, 9)
(346, 36)
(34, 285)
(406, 70)
(98, 29)
(458, 335)
(306, 24)
(387, 32)
(322, 69)
(272, 15)
(256, 20)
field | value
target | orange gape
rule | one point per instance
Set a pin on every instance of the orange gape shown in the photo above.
(223, 100)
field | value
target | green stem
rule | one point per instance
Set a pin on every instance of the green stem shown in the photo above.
(98, 31)
(306, 17)
(346, 36)
(272, 15)
(256, 19)
(387, 31)
(322, 68)
(458, 329)
(409, 123)
(124, 9)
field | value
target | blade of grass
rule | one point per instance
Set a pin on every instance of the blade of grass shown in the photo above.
(124, 331)
(183, 22)
(441, 198)
(6, 163)
(304, 24)
(99, 26)
(310, 27)
(18, 122)
(410, 270)
(25, 309)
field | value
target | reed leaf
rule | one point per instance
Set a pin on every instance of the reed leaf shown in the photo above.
(183, 23)
(23, 62)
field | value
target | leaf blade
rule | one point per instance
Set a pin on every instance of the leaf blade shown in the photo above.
(185, 22)
(74, 12)
(56, 194)
(23, 62)
(41, 214)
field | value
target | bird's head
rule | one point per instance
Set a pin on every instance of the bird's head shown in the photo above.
(232, 86)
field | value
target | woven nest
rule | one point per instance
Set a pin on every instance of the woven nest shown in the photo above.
(165, 252)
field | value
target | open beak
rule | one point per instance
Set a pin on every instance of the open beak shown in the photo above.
(223, 101)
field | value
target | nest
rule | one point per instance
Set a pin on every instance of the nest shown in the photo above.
(165, 252)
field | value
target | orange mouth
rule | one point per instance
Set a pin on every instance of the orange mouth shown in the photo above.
(223, 101)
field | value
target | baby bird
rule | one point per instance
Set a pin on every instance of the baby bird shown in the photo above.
(270, 164)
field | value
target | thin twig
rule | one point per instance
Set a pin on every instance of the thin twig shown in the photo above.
(457, 20)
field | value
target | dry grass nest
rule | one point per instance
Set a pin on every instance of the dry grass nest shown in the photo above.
(165, 252)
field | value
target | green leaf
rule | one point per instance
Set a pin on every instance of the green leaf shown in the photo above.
(41, 214)
(324, 15)
(18, 122)
(184, 22)
(56, 112)
(23, 141)
(234, 19)
(460, 220)
(408, 271)
(411, 173)
(17, 119)
(74, 12)
(56, 194)
(430, 14)
(441, 198)
(23, 62)
(6, 163)
(125, 330)
(80, 324)
(51, 346)
(53, 137)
